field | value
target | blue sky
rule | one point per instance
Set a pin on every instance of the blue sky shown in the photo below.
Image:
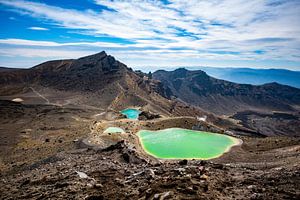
(161, 34)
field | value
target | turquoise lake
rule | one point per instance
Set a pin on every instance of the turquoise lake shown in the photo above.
(131, 113)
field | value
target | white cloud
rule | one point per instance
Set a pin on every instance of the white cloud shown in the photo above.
(14, 41)
(43, 53)
(208, 29)
(35, 28)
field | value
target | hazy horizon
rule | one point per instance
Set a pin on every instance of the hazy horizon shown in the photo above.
(153, 67)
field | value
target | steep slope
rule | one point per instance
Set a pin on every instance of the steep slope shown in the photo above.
(81, 74)
(224, 97)
(95, 81)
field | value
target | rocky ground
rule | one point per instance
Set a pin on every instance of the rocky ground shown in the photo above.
(42, 157)
(270, 123)
(118, 172)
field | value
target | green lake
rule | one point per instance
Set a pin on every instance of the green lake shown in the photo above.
(177, 143)
(131, 113)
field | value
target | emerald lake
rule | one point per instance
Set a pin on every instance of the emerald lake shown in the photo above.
(177, 143)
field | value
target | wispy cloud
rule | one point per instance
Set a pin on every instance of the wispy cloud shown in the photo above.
(40, 43)
(207, 29)
(35, 28)
(44, 53)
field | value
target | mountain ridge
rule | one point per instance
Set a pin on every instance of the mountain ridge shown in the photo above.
(199, 89)
(97, 80)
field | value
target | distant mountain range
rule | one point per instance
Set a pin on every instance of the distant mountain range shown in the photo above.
(255, 76)
(246, 75)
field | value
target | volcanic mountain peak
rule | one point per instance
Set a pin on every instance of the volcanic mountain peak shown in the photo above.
(100, 60)
(97, 80)
(96, 56)
(86, 72)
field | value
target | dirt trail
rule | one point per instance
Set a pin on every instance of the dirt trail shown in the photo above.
(40, 95)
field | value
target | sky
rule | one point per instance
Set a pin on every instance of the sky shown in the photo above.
(148, 34)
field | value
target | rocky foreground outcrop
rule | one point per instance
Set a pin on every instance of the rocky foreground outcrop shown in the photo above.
(118, 173)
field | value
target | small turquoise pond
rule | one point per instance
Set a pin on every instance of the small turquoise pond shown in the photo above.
(131, 113)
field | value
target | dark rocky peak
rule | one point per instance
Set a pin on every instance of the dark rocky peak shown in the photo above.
(88, 73)
(94, 57)
(101, 62)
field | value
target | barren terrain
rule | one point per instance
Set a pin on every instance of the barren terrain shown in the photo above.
(53, 144)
